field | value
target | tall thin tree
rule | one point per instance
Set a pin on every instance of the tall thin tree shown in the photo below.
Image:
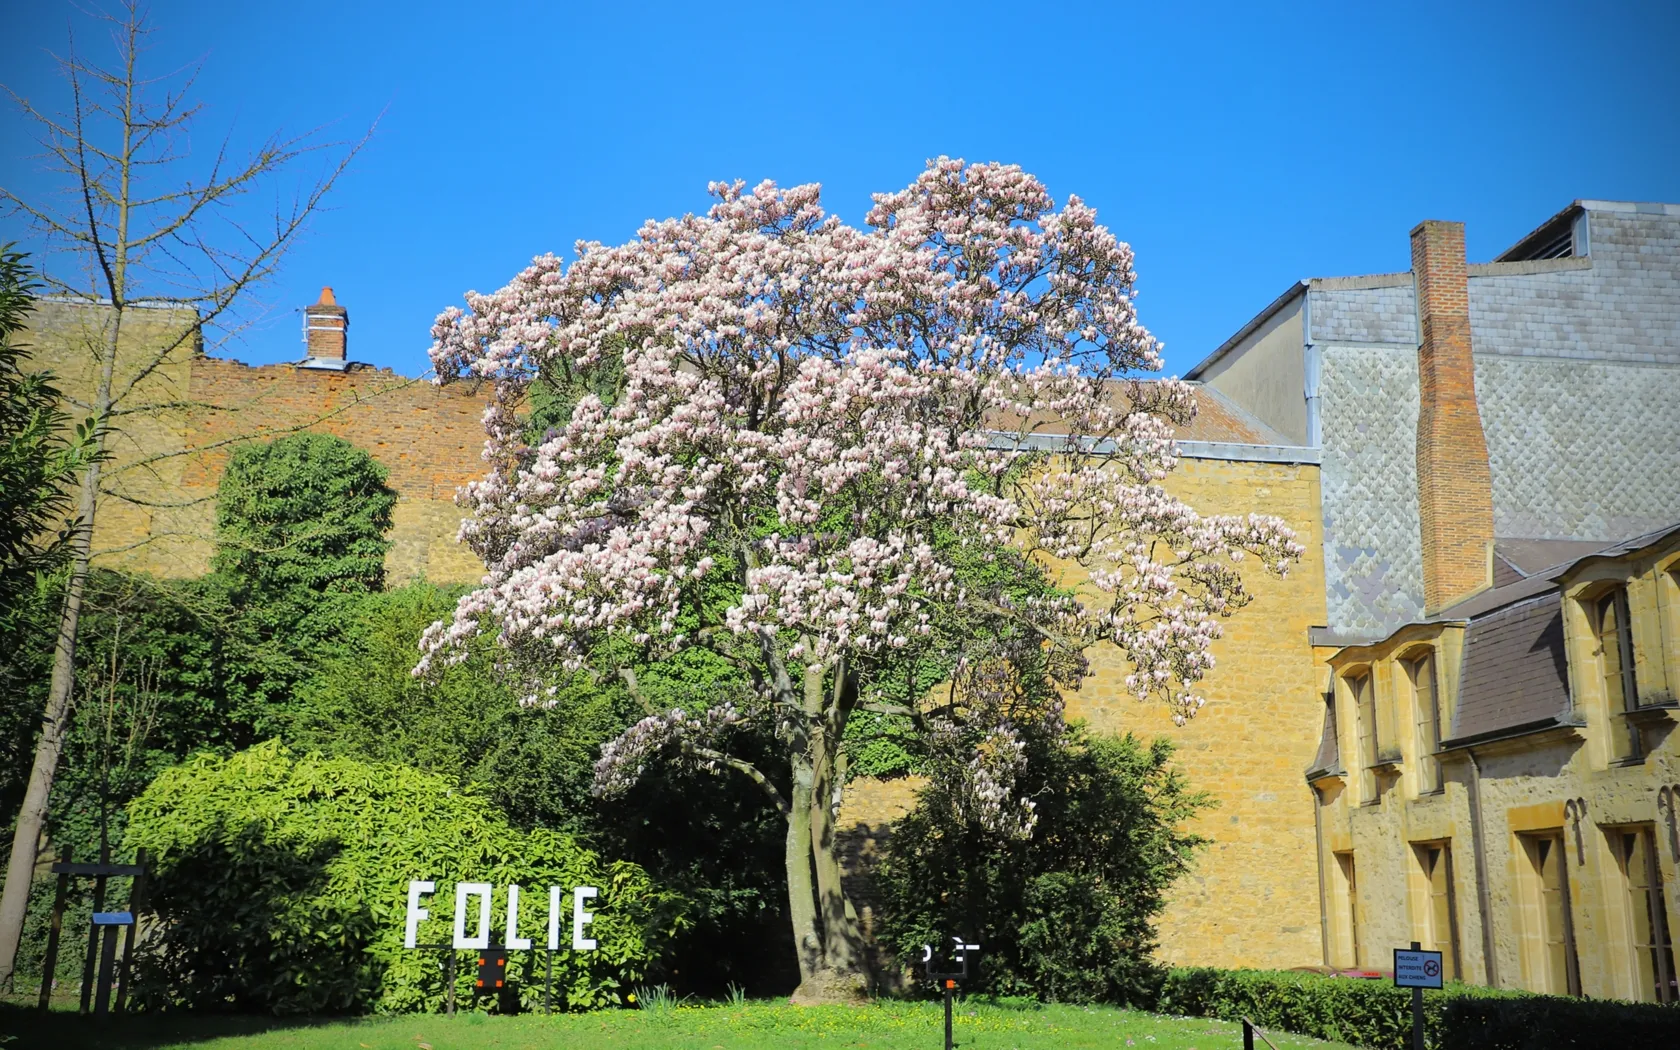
(143, 225)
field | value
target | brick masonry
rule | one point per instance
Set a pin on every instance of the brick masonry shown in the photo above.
(1455, 493)
(167, 463)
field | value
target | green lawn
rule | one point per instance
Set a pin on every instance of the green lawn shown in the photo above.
(753, 1026)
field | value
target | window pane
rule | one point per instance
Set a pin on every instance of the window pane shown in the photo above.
(1422, 674)
(1365, 704)
(1610, 645)
(1653, 952)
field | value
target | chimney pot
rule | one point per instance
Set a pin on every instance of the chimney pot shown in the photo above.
(326, 325)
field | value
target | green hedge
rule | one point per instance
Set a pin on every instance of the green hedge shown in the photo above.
(281, 887)
(1373, 1013)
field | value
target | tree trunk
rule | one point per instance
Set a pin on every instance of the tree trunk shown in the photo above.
(802, 906)
(840, 974)
(842, 939)
(32, 817)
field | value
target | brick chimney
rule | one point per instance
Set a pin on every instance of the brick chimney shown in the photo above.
(1455, 489)
(325, 326)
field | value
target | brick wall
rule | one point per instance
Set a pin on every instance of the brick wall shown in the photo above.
(1455, 492)
(167, 462)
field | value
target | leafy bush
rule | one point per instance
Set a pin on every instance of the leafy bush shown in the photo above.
(282, 883)
(1375, 1014)
(300, 538)
(307, 512)
(713, 840)
(1066, 914)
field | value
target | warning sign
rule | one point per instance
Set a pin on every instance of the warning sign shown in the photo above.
(1415, 969)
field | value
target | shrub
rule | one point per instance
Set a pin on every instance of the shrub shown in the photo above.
(281, 885)
(1065, 915)
(1375, 1014)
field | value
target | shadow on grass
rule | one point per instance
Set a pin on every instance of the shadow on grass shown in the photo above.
(27, 1028)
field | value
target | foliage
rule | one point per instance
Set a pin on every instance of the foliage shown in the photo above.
(282, 880)
(1067, 916)
(719, 850)
(300, 535)
(784, 433)
(304, 513)
(1375, 1014)
(363, 701)
(40, 456)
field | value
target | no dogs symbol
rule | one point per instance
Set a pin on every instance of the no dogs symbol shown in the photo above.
(1431, 968)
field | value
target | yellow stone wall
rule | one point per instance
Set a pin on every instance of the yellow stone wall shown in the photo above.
(1253, 897)
(1565, 780)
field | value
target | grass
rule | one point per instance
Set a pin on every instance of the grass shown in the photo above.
(747, 1025)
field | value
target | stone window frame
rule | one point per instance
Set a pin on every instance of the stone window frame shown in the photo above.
(1367, 735)
(1409, 714)
(1650, 579)
(1422, 899)
(1620, 741)
(1533, 927)
(1345, 914)
(1667, 578)
(1620, 927)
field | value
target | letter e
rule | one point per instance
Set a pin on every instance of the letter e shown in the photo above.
(580, 918)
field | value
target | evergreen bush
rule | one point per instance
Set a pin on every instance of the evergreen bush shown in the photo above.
(1067, 914)
(281, 887)
(1375, 1014)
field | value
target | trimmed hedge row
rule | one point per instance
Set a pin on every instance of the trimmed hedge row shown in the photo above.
(1375, 1014)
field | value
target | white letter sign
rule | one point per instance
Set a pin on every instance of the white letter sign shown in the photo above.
(463, 890)
(411, 931)
(581, 943)
(513, 939)
(554, 918)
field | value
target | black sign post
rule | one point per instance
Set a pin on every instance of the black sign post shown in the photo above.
(948, 980)
(1417, 969)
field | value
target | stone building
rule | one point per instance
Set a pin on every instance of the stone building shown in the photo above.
(1498, 781)
(1500, 475)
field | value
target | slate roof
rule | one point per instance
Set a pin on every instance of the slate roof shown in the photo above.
(1515, 674)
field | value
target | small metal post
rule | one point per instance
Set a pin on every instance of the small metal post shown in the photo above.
(949, 984)
(1417, 1010)
(136, 904)
(49, 964)
(93, 934)
(449, 984)
(1248, 1034)
(548, 985)
(107, 966)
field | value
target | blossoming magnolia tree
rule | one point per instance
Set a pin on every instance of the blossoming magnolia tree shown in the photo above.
(788, 433)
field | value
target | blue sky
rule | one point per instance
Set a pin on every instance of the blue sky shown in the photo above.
(1237, 147)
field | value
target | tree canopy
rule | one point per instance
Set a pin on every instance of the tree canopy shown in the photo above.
(786, 433)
